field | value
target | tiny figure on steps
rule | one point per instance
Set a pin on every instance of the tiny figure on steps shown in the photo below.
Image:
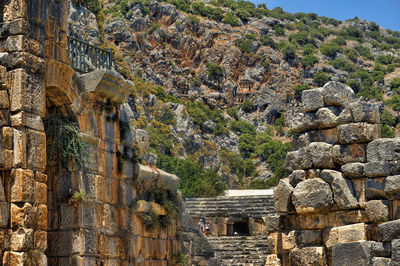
(235, 234)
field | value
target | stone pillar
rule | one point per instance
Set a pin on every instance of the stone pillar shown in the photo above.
(23, 189)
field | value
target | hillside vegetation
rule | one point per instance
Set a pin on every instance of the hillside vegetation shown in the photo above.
(218, 83)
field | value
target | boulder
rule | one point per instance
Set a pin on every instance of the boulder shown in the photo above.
(392, 187)
(349, 153)
(329, 175)
(353, 253)
(380, 249)
(395, 260)
(377, 211)
(303, 122)
(353, 170)
(282, 196)
(379, 261)
(312, 100)
(390, 230)
(337, 94)
(382, 168)
(332, 116)
(312, 195)
(358, 133)
(344, 234)
(343, 193)
(307, 256)
(308, 237)
(383, 150)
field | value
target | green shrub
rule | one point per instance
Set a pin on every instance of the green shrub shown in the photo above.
(301, 38)
(233, 113)
(343, 64)
(243, 127)
(289, 51)
(387, 132)
(320, 78)
(268, 41)
(364, 51)
(308, 49)
(246, 145)
(351, 32)
(309, 61)
(395, 85)
(387, 118)
(244, 44)
(160, 137)
(215, 71)
(340, 40)
(371, 92)
(298, 90)
(394, 102)
(351, 54)
(247, 106)
(384, 59)
(279, 30)
(230, 19)
(331, 49)
(373, 26)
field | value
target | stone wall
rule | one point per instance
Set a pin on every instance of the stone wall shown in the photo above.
(341, 196)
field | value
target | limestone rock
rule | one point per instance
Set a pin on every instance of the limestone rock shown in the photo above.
(282, 196)
(383, 150)
(272, 260)
(329, 175)
(379, 261)
(358, 133)
(354, 253)
(288, 240)
(321, 155)
(312, 100)
(344, 234)
(380, 249)
(337, 94)
(312, 195)
(343, 193)
(377, 210)
(365, 112)
(307, 256)
(392, 187)
(4, 214)
(296, 177)
(353, 170)
(308, 237)
(328, 117)
(351, 153)
(303, 122)
(22, 239)
(382, 168)
(390, 230)
(395, 260)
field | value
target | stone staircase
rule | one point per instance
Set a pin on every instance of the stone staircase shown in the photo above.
(240, 250)
(253, 206)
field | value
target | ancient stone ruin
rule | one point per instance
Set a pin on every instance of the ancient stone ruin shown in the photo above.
(339, 205)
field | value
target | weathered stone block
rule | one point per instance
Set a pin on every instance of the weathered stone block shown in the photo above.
(6, 159)
(329, 175)
(23, 216)
(273, 260)
(365, 112)
(282, 196)
(374, 188)
(337, 94)
(395, 260)
(19, 148)
(382, 168)
(359, 189)
(4, 214)
(343, 193)
(329, 117)
(40, 240)
(312, 195)
(307, 256)
(344, 154)
(383, 150)
(313, 173)
(303, 122)
(392, 187)
(301, 140)
(390, 230)
(36, 152)
(13, 258)
(40, 193)
(354, 253)
(344, 234)
(21, 43)
(15, 9)
(308, 237)
(22, 119)
(353, 170)
(22, 186)
(358, 133)
(40, 177)
(148, 175)
(27, 92)
(2, 195)
(4, 100)
(8, 138)
(312, 100)
(321, 155)
(380, 249)
(288, 241)
(379, 261)
(21, 240)
(296, 177)
(28, 61)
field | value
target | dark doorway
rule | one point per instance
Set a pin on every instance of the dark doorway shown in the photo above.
(242, 228)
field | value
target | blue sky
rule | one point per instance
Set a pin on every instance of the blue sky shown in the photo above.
(385, 13)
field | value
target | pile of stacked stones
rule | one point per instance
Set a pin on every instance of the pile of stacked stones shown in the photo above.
(339, 204)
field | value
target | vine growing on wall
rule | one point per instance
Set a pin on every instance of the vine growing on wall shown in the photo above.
(65, 139)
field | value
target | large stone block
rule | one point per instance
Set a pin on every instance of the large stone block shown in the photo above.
(40, 240)
(273, 260)
(392, 187)
(13, 258)
(21, 239)
(312, 195)
(395, 260)
(8, 138)
(4, 214)
(27, 92)
(343, 193)
(312, 100)
(351, 153)
(22, 186)
(321, 155)
(354, 253)
(383, 150)
(382, 168)
(390, 230)
(329, 117)
(20, 142)
(307, 256)
(329, 175)
(303, 122)
(36, 150)
(15, 9)
(4, 100)
(353, 170)
(28, 61)
(296, 177)
(282, 196)
(337, 94)
(23, 118)
(23, 216)
(288, 241)
(364, 112)
(149, 175)
(379, 261)
(308, 237)
(2, 195)
(344, 234)
(19, 43)
(358, 133)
